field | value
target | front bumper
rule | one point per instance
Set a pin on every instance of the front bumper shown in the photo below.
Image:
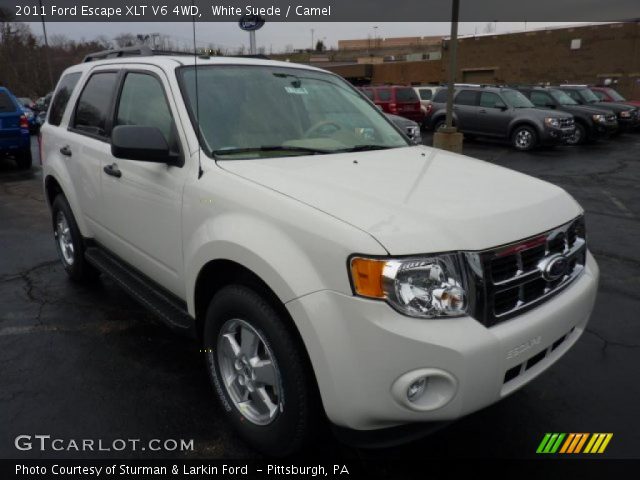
(556, 136)
(364, 353)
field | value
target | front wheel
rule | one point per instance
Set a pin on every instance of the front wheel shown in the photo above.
(579, 136)
(260, 372)
(524, 138)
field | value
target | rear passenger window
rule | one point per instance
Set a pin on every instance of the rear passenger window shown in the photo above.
(406, 95)
(384, 94)
(6, 104)
(95, 103)
(59, 104)
(466, 97)
(143, 103)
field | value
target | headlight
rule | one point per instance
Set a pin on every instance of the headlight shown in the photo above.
(625, 114)
(552, 122)
(599, 118)
(425, 287)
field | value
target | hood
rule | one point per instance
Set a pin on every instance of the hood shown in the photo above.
(613, 107)
(586, 109)
(542, 113)
(417, 199)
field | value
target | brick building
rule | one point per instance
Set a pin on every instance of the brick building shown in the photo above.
(582, 54)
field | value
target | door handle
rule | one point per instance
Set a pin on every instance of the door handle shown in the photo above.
(66, 151)
(113, 170)
(482, 110)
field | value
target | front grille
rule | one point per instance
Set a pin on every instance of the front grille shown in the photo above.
(611, 118)
(566, 122)
(511, 279)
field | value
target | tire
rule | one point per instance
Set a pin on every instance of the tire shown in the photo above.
(291, 389)
(439, 124)
(69, 242)
(24, 159)
(524, 138)
(579, 137)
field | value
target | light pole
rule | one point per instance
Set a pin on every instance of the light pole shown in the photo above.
(448, 137)
(46, 44)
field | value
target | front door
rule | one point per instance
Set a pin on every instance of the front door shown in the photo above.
(142, 205)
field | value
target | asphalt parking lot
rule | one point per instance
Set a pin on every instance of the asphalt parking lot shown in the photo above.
(88, 362)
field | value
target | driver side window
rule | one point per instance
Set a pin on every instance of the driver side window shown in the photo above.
(143, 103)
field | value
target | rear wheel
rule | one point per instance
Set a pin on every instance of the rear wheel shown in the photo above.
(260, 372)
(24, 159)
(439, 124)
(524, 138)
(69, 242)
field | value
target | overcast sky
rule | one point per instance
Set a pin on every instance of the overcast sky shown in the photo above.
(276, 36)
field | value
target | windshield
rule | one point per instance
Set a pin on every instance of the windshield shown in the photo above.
(562, 98)
(262, 111)
(615, 95)
(588, 96)
(516, 99)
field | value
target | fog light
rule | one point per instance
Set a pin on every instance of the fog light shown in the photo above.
(416, 389)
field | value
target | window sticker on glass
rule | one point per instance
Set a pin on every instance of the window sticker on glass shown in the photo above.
(297, 91)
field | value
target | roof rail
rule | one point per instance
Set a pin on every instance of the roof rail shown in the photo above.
(146, 51)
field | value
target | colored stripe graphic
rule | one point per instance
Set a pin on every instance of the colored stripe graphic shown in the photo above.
(573, 443)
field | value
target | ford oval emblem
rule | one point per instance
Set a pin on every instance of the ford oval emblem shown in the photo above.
(555, 267)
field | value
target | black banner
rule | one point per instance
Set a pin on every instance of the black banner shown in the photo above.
(318, 10)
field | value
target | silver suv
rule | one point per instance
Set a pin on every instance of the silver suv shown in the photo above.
(502, 113)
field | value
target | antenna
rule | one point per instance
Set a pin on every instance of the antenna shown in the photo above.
(195, 59)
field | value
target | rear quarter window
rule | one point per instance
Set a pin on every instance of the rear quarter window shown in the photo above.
(440, 96)
(61, 98)
(6, 103)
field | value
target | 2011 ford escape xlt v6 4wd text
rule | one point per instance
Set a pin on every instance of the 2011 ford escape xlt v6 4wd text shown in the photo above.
(330, 268)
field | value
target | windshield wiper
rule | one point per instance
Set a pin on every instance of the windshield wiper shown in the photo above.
(364, 148)
(270, 148)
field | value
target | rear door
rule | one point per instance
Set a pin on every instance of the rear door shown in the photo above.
(465, 106)
(10, 132)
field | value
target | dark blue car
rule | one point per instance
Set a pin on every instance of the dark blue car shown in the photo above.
(14, 130)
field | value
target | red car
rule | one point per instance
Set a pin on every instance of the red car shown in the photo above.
(397, 100)
(608, 94)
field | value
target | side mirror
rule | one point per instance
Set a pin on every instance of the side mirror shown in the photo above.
(136, 142)
(502, 106)
(551, 105)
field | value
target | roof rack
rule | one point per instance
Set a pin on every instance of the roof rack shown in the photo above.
(146, 51)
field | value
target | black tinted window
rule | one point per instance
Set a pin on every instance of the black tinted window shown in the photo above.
(406, 95)
(59, 104)
(6, 104)
(541, 99)
(440, 96)
(95, 102)
(384, 94)
(425, 94)
(466, 97)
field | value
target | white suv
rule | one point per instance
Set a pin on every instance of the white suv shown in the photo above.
(330, 268)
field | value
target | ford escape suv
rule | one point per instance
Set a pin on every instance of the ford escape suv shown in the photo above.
(329, 268)
(502, 113)
(591, 123)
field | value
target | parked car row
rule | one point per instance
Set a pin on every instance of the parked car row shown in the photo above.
(530, 116)
(526, 115)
